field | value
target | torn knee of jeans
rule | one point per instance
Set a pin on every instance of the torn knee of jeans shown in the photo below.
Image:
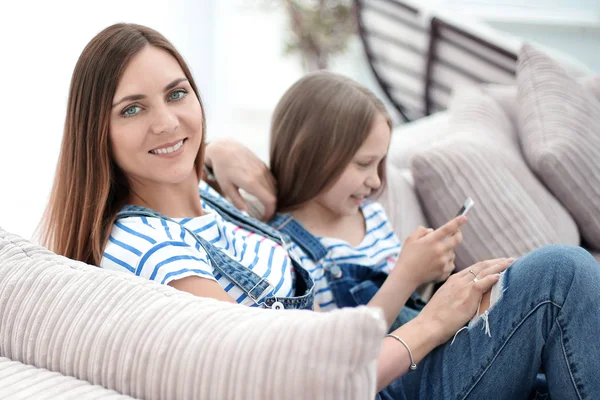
(496, 293)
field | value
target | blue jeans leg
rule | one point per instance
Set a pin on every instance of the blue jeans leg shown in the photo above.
(547, 318)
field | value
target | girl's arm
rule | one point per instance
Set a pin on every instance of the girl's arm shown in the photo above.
(426, 255)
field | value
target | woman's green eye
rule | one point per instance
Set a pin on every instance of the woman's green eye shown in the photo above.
(131, 111)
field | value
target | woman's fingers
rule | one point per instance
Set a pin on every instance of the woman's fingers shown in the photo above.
(496, 268)
(232, 193)
(264, 192)
(480, 266)
(485, 269)
(485, 284)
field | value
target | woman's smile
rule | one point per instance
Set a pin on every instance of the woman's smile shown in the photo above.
(169, 149)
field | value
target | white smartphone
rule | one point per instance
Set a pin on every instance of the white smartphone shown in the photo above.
(466, 207)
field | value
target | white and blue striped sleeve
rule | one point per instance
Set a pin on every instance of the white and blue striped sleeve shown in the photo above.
(154, 250)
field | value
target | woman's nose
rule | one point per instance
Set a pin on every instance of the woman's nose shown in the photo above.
(165, 121)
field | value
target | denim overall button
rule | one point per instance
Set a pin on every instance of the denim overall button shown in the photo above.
(336, 271)
(277, 306)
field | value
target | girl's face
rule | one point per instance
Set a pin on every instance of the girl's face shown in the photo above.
(155, 121)
(361, 176)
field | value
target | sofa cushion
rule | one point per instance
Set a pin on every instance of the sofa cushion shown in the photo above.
(148, 340)
(399, 199)
(415, 137)
(513, 213)
(507, 96)
(560, 136)
(592, 83)
(23, 381)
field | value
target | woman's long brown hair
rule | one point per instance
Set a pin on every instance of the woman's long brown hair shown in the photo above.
(89, 189)
(317, 127)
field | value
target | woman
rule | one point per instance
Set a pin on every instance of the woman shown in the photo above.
(129, 168)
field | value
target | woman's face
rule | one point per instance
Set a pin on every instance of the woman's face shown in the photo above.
(155, 121)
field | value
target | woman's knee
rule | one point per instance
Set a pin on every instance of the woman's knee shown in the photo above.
(556, 263)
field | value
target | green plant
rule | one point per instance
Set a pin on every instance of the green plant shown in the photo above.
(319, 29)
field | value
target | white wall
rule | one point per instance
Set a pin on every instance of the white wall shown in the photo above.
(233, 47)
(40, 42)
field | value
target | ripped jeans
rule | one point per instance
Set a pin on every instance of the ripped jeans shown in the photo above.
(547, 318)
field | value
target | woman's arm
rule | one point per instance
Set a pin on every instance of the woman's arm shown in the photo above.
(449, 309)
(202, 287)
(235, 167)
(394, 360)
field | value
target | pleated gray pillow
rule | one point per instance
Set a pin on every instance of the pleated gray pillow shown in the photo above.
(560, 136)
(151, 341)
(514, 213)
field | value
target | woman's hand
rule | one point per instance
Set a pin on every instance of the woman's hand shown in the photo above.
(449, 309)
(456, 301)
(428, 255)
(236, 167)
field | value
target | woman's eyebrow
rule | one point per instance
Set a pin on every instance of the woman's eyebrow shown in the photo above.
(133, 97)
(174, 83)
(137, 97)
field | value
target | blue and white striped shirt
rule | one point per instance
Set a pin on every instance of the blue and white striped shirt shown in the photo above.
(163, 251)
(378, 249)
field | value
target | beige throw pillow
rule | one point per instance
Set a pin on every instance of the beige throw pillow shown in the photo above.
(151, 341)
(20, 381)
(513, 213)
(560, 136)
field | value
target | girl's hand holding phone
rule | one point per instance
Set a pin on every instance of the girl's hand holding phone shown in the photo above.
(428, 255)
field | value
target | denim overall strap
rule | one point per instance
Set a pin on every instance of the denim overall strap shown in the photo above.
(250, 283)
(233, 215)
(286, 224)
(351, 285)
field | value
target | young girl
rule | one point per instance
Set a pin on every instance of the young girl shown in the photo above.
(329, 140)
(125, 197)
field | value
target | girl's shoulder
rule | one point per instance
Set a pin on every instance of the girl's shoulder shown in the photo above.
(374, 212)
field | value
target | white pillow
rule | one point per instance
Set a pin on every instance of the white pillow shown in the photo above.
(151, 341)
(415, 137)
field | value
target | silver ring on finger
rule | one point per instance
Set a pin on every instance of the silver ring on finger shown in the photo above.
(474, 275)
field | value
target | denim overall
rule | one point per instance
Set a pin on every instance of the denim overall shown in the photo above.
(351, 284)
(253, 285)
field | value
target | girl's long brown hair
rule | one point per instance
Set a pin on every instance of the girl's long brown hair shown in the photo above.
(89, 189)
(317, 127)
